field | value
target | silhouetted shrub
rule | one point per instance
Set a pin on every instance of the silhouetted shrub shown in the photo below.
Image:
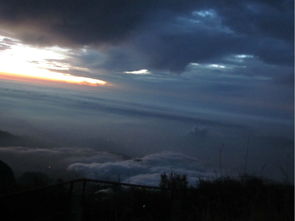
(7, 180)
(173, 181)
(33, 179)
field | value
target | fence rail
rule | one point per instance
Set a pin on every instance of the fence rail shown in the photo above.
(71, 184)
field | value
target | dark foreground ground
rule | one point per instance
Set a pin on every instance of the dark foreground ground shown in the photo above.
(247, 198)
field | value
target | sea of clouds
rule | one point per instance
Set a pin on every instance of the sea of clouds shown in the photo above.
(103, 165)
(146, 170)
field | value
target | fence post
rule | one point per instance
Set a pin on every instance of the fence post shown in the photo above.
(83, 189)
(71, 189)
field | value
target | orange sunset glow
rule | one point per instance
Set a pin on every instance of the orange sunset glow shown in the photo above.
(55, 77)
(23, 62)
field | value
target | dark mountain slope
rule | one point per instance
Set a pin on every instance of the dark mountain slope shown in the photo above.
(9, 139)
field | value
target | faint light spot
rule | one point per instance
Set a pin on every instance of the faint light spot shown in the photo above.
(242, 56)
(142, 71)
(217, 66)
(205, 13)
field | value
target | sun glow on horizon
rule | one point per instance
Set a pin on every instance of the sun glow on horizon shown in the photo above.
(57, 77)
(22, 61)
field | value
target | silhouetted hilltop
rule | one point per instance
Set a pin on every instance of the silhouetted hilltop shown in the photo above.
(9, 139)
(7, 179)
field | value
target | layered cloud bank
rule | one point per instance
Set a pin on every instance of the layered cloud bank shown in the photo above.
(71, 163)
(52, 160)
(89, 163)
(146, 170)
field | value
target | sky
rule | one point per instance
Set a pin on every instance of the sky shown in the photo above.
(137, 88)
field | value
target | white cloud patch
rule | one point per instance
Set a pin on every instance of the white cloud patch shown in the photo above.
(139, 72)
(240, 58)
(86, 155)
(24, 159)
(145, 170)
(205, 13)
(217, 66)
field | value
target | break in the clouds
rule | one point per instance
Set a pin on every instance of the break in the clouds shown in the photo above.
(157, 35)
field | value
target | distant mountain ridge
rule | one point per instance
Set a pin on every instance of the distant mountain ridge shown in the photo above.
(9, 139)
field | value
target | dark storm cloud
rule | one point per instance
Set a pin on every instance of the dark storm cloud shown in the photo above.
(209, 34)
(79, 22)
(160, 35)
